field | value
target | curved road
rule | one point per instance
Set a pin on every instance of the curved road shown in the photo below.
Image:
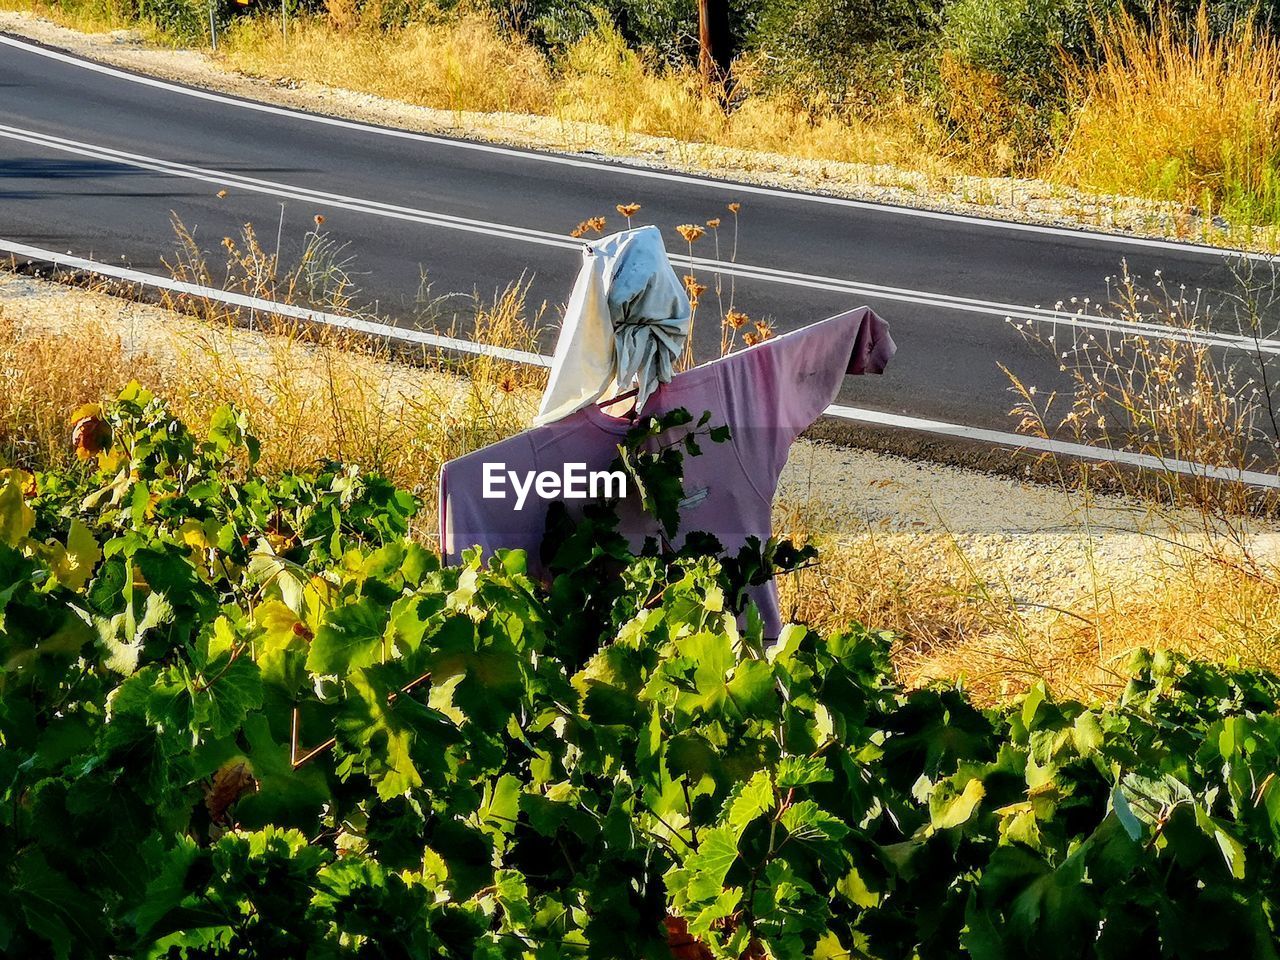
(93, 160)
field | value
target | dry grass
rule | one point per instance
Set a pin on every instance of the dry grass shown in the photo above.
(1174, 398)
(602, 81)
(321, 277)
(92, 16)
(311, 393)
(1179, 561)
(1193, 570)
(467, 63)
(1194, 119)
(316, 393)
(1204, 605)
(43, 379)
(961, 616)
(321, 395)
(458, 64)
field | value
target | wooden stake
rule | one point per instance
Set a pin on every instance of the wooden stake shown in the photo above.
(715, 51)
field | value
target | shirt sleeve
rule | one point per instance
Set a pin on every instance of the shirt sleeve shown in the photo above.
(774, 391)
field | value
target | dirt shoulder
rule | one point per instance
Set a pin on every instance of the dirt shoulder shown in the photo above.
(1029, 201)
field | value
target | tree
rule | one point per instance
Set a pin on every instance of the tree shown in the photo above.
(715, 43)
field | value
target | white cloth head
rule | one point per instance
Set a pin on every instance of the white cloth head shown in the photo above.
(627, 320)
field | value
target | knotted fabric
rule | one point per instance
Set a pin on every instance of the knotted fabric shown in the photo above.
(626, 322)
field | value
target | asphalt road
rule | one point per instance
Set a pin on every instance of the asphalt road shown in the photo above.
(95, 163)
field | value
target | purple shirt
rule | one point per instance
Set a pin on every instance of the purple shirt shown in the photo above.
(767, 395)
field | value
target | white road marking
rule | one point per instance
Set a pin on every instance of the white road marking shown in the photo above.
(1081, 451)
(855, 414)
(736, 189)
(277, 189)
(1052, 318)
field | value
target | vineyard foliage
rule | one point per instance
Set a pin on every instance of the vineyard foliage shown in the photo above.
(246, 716)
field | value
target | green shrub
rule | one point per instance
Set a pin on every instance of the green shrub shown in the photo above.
(663, 31)
(243, 717)
(1021, 41)
(1002, 72)
(185, 21)
(843, 53)
(1224, 15)
(1003, 65)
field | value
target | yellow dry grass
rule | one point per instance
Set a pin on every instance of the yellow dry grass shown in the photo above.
(44, 379)
(310, 394)
(1189, 567)
(330, 395)
(1194, 118)
(961, 618)
(94, 16)
(457, 64)
(467, 63)
(318, 393)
